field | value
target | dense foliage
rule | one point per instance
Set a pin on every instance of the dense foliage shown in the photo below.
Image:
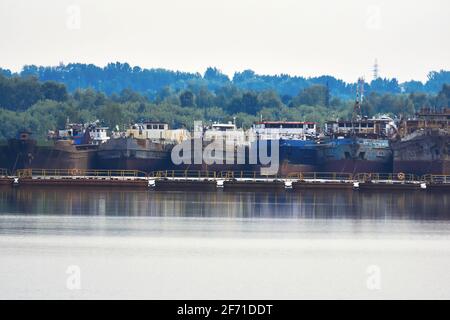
(115, 77)
(27, 103)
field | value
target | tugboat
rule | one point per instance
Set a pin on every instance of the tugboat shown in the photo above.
(360, 145)
(423, 143)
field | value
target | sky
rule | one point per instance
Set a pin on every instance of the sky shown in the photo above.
(342, 38)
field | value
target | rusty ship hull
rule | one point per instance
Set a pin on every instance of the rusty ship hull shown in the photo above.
(62, 155)
(422, 153)
(133, 154)
(356, 155)
(26, 154)
(298, 156)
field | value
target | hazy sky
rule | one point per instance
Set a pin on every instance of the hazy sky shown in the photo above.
(301, 37)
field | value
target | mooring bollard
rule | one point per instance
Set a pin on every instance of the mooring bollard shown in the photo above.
(220, 183)
(288, 184)
(151, 183)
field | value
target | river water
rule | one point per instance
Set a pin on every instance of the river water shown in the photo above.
(82, 243)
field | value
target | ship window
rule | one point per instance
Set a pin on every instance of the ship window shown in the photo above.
(149, 126)
(161, 126)
(311, 126)
(341, 125)
(370, 125)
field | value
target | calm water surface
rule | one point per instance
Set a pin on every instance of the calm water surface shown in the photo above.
(218, 245)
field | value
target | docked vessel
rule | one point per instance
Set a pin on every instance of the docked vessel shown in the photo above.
(423, 144)
(217, 147)
(71, 148)
(296, 142)
(15, 153)
(354, 154)
(144, 146)
(359, 145)
(225, 148)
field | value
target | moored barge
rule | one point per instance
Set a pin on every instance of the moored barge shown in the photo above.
(423, 144)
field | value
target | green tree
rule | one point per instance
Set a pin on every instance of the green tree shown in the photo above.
(187, 99)
(112, 114)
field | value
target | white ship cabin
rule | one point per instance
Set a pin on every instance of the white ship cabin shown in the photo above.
(226, 131)
(383, 126)
(99, 135)
(274, 130)
(158, 131)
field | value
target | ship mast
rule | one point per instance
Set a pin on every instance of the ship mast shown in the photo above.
(359, 99)
(357, 115)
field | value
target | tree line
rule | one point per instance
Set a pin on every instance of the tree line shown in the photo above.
(115, 77)
(39, 106)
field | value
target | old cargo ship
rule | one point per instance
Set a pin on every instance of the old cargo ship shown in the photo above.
(355, 154)
(359, 145)
(216, 147)
(144, 146)
(71, 148)
(296, 141)
(423, 144)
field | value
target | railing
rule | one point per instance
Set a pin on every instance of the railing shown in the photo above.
(250, 175)
(397, 177)
(29, 173)
(205, 174)
(3, 172)
(337, 176)
(436, 179)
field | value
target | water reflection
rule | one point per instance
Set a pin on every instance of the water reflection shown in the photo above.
(326, 204)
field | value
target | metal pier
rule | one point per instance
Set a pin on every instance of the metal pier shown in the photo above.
(227, 180)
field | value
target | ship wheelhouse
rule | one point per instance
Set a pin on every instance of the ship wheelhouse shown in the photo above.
(369, 128)
(275, 130)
